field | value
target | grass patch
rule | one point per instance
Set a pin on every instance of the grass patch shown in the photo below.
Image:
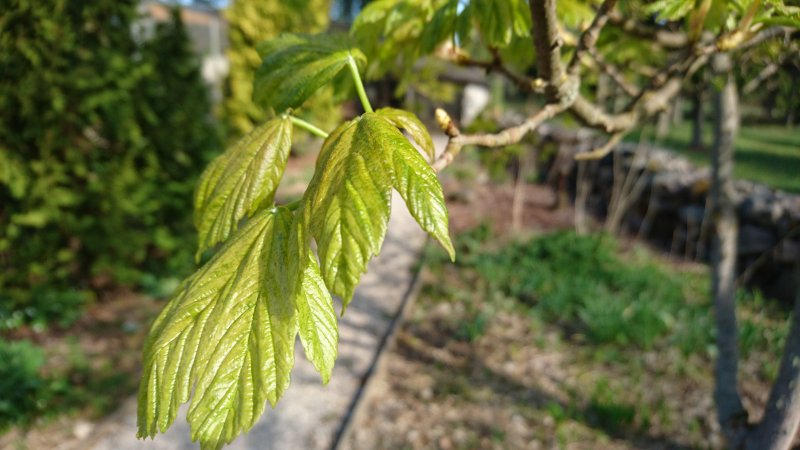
(636, 334)
(597, 294)
(606, 410)
(21, 384)
(584, 285)
(31, 392)
(766, 154)
(563, 340)
(82, 372)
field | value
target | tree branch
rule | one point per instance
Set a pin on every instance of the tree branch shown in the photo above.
(522, 82)
(761, 36)
(664, 38)
(603, 150)
(562, 88)
(612, 72)
(588, 40)
(503, 138)
(781, 419)
(547, 41)
(593, 116)
(764, 74)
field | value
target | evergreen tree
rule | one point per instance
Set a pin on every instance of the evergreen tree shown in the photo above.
(178, 123)
(100, 141)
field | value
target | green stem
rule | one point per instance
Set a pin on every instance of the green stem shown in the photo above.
(291, 206)
(308, 127)
(362, 94)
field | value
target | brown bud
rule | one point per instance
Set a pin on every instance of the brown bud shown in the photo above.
(446, 123)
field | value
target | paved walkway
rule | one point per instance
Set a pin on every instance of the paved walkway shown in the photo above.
(310, 415)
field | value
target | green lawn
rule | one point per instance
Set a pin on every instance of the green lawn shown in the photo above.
(767, 154)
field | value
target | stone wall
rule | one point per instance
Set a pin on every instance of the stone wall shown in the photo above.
(671, 211)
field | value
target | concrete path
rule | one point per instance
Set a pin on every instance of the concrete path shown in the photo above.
(310, 415)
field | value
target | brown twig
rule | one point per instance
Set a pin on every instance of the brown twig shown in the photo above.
(588, 39)
(508, 136)
(612, 72)
(593, 116)
(664, 38)
(522, 82)
(603, 150)
(768, 71)
(761, 36)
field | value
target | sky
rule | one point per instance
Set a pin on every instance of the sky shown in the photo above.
(217, 3)
(335, 12)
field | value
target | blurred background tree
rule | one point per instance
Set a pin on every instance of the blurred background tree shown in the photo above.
(250, 23)
(101, 138)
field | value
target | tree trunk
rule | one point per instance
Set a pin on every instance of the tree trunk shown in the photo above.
(791, 106)
(730, 412)
(677, 110)
(663, 123)
(604, 90)
(615, 209)
(583, 189)
(697, 115)
(782, 413)
(526, 165)
(619, 100)
(768, 105)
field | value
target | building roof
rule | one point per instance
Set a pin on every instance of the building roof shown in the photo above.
(207, 28)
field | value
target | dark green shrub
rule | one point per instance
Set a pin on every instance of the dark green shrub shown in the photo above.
(41, 306)
(101, 140)
(20, 382)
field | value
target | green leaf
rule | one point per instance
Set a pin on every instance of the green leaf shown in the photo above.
(349, 196)
(230, 329)
(372, 18)
(575, 13)
(495, 19)
(389, 31)
(442, 26)
(240, 181)
(411, 124)
(779, 8)
(13, 174)
(785, 21)
(317, 320)
(416, 182)
(671, 9)
(295, 66)
(498, 21)
(348, 200)
(521, 18)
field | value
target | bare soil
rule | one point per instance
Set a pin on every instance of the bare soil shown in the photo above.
(470, 204)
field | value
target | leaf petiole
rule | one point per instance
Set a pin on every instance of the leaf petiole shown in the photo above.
(308, 127)
(362, 94)
(291, 206)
